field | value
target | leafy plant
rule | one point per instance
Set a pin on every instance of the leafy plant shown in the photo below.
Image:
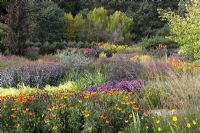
(185, 29)
(73, 25)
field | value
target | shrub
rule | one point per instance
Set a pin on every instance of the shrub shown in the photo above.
(124, 70)
(116, 58)
(71, 51)
(95, 52)
(32, 53)
(185, 29)
(158, 45)
(114, 48)
(132, 85)
(33, 74)
(153, 43)
(79, 44)
(74, 61)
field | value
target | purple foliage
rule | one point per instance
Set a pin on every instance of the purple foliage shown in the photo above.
(132, 85)
(32, 74)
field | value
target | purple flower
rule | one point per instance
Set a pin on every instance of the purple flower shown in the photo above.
(132, 85)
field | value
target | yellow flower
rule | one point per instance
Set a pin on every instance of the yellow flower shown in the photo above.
(85, 113)
(90, 128)
(17, 126)
(158, 122)
(159, 129)
(188, 125)
(71, 108)
(194, 122)
(107, 122)
(145, 114)
(55, 127)
(119, 132)
(80, 101)
(130, 116)
(126, 121)
(173, 110)
(147, 127)
(135, 109)
(54, 115)
(174, 119)
(52, 108)
(86, 96)
(46, 121)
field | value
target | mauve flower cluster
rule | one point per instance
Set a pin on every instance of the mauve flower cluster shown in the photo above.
(132, 85)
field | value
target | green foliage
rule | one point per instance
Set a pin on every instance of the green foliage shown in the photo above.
(99, 26)
(48, 22)
(94, 28)
(3, 31)
(73, 25)
(17, 34)
(152, 43)
(98, 16)
(119, 20)
(186, 30)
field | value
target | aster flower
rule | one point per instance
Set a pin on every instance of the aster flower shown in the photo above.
(132, 85)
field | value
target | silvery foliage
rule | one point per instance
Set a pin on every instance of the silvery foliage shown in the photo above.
(32, 74)
(73, 61)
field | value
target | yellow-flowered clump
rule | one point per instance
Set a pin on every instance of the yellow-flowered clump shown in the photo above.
(68, 86)
(16, 91)
(142, 58)
(114, 48)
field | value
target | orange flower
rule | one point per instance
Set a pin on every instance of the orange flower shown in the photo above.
(21, 99)
(62, 105)
(30, 113)
(30, 99)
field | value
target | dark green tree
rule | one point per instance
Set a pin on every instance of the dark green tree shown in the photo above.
(17, 34)
(48, 22)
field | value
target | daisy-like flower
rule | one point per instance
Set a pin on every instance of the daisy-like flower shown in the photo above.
(194, 122)
(174, 119)
(158, 122)
(188, 125)
(159, 129)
